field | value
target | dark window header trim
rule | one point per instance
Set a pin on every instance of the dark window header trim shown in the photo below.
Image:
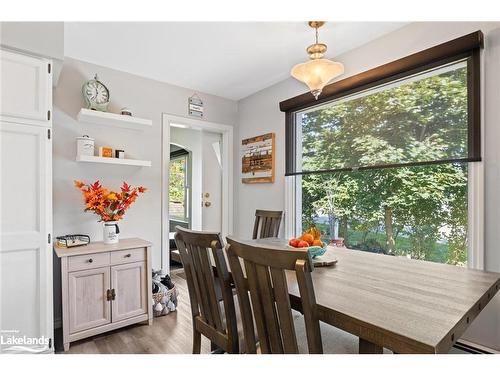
(449, 51)
(386, 166)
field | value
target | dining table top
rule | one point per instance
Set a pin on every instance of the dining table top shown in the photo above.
(406, 305)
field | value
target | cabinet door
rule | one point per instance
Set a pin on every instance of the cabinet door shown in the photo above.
(25, 225)
(129, 283)
(87, 296)
(25, 83)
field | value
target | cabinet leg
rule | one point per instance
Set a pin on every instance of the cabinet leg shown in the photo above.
(150, 322)
(66, 346)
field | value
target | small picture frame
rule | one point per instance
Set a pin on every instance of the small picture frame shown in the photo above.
(105, 152)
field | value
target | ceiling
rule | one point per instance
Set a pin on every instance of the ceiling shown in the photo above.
(228, 59)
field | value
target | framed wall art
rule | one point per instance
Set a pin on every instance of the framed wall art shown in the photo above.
(258, 159)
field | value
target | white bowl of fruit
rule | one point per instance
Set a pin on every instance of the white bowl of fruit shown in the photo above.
(311, 240)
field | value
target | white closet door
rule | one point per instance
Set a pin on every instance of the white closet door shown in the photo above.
(25, 83)
(25, 224)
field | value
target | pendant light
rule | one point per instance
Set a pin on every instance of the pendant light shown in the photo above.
(317, 72)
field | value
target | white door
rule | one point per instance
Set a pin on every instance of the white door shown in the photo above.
(129, 284)
(211, 181)
(25, 88)
(88, 299)
(25, 225)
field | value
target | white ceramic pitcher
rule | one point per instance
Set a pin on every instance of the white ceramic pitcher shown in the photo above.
(111, 232)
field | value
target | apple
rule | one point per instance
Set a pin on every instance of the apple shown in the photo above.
(303, 244)
(294, 242)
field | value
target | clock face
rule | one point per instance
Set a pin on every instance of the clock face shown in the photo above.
(96, 92)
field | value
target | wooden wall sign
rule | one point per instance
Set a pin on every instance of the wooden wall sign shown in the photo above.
(258, 159)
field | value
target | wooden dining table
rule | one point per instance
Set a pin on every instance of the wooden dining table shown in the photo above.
(405, 305)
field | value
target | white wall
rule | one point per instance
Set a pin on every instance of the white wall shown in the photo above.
(39, 38)
(147, 98)
(259, 113)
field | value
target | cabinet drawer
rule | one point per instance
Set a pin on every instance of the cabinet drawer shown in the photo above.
(128, 256)
(85, 262)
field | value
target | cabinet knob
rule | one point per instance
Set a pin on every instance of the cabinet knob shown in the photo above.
(128, 255)
(91, 260)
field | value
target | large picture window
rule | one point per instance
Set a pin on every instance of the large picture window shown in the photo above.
(386, 168)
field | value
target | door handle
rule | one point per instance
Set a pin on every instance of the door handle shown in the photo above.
(113, 294)
(108, 295)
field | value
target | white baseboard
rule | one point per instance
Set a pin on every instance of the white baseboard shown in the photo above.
(475, 346)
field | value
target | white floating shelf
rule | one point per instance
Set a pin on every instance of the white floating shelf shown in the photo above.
(101, 160)
(112, 119)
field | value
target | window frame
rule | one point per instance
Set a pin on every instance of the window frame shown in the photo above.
(467, 47)
(187, 203)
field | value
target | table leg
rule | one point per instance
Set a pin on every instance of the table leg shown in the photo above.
(366, 347)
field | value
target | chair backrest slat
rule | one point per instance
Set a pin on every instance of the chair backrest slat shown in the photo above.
(269, 312)
(284, 310)
(199, 251)
(193, 252)
(268, 222)
(266, 286)
(207, 270)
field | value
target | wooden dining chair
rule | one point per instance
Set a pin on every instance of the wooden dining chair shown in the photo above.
(263, 278)
(206, 289)
(267, 224)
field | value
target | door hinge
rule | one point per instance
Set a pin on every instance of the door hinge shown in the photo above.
(49, 68)
(48, 115)
(48, 133)
(49, 238)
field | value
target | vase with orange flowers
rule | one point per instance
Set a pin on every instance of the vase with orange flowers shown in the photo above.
(109, 205)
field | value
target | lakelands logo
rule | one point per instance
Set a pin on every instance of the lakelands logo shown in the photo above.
(10, 341)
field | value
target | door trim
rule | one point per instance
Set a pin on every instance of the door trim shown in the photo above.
(226, 132)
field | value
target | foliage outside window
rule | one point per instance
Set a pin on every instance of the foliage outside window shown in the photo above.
(410, 139)
(178, 197)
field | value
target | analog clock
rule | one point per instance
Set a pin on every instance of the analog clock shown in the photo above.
(96, 95)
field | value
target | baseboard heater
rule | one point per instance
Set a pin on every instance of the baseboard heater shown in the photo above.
(473, 348)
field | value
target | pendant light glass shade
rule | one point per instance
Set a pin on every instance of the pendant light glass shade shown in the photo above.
(317, 73)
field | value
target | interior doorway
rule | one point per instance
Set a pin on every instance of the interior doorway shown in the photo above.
(197, 175)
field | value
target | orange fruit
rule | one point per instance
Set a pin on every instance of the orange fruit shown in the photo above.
(318, 243)
(308, 238)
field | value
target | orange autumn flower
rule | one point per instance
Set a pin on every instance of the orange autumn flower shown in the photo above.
(108, 205)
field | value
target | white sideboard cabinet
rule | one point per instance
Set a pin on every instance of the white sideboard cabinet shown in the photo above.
(105, 287)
